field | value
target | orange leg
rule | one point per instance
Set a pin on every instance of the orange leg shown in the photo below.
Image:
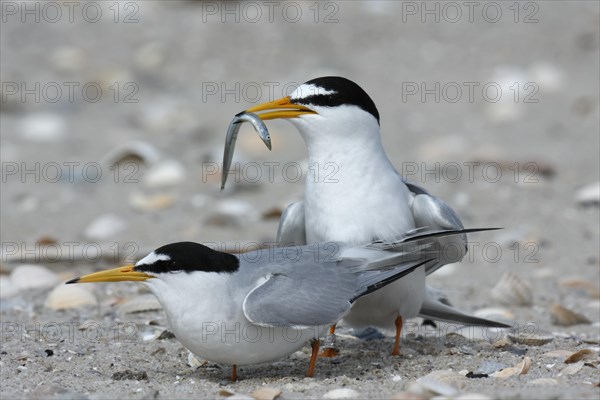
(234, 373)
(315, 344)
(330, 350)
(398, 322)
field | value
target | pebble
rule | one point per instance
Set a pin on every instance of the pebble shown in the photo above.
(588, 195)
(343, 393)
(130, 375)
(137, 304)
(29, 276)
(68, 59)
(148, 203)
(104, 227)
(135, 151)
(266, 393)
(70, 296)
(7, 288)
(150, 56)
(165, 173)
(233, 213)
(543, 382)
(43, 127)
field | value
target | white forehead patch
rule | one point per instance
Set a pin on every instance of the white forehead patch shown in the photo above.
(304, 91)
(152, 258)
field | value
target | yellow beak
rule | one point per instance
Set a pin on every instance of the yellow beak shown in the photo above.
(125, 273)
(283, 108)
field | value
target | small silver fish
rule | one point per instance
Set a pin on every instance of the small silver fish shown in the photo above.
(232, 134)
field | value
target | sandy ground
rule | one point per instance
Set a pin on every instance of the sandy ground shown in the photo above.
(534, 148)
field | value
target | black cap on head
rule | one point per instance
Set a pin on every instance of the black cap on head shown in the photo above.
(344, 92)
(189, 257)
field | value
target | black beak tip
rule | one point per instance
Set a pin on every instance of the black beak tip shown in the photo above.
(72, 281)
(240, 113)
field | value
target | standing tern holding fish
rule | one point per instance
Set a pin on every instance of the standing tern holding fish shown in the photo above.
(368, 201)
(266, 304)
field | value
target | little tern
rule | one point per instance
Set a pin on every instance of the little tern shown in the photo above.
(263, 305)
(367, 200)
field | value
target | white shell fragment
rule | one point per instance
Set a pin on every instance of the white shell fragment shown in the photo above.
(572, 369)
(165, 173)
(43, 127)
(193, 361)
(588, 195)
(69, 296)
(562, 316)
(513, 290)
(267, 393)
(28, 276)
(104, 227)
(543, 382)
(344, 393)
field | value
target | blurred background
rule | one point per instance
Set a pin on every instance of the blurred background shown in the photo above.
(114, 114)
(113, 119)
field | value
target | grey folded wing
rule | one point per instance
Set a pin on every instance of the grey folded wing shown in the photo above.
(292, 229)
(319, 288)
(302, 291)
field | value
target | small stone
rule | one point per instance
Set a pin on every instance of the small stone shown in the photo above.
(28, 276)
(344, 393)
(43, 127)
(69, 296)
(68, 59)
(165, 173)
(130, 375)
(7, 287)
(104, 227)
(588, 195)
(266, 393)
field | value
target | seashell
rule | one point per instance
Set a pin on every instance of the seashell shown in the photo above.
(583, 354)
(28, 276)
(145, 302)
(558, 354)
(104, 227)
(513, 290)
(268, 393)
(537, 338)
(576, 283)
(193, 361)
(543, 382)
(137, 152)
(440, 382)
(520, 369)
(69, 296)
(572, 369)
(588, 195)
(165, 173)
(562, 316)
(407, 396)
(344, 393)
(141, 202)
(7, 288)
(43, 127)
